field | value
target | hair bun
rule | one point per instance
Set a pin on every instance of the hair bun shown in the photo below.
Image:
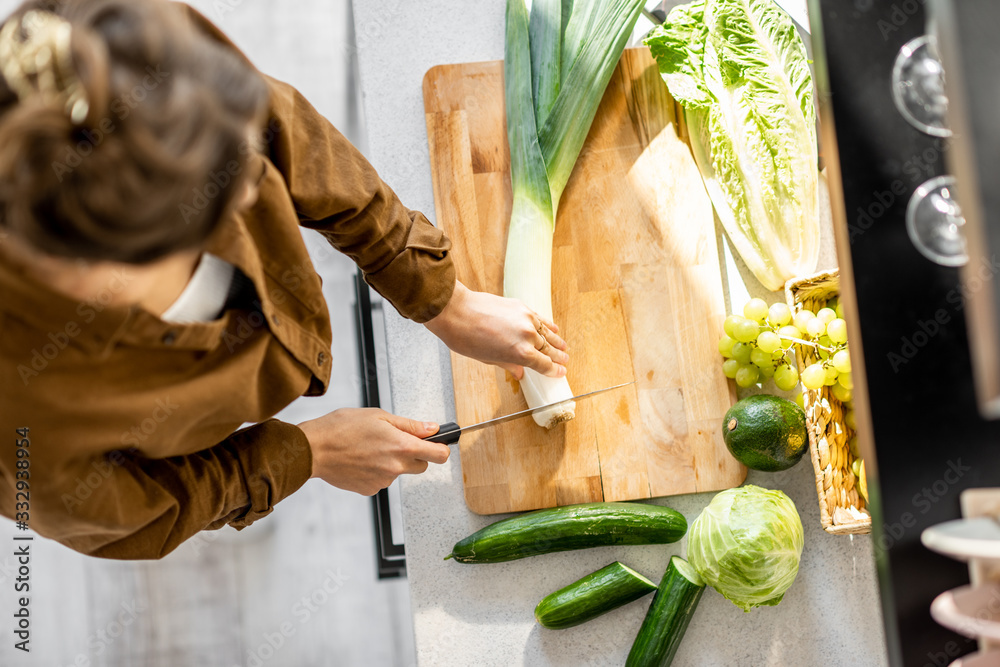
(167, 106)
(37, 61)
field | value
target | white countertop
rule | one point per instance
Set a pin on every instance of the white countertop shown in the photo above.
(472, 615)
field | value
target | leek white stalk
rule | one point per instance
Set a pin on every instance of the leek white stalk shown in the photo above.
(528, 277)
(558, 60)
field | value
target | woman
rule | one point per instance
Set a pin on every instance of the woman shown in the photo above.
(156, 294)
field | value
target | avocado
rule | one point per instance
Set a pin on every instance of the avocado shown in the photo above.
(765, 432)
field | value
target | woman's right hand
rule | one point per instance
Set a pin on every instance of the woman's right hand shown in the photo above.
(365, 449)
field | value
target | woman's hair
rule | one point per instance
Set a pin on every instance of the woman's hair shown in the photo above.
(136, 152)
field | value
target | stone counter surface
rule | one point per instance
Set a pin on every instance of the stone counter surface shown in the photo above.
(482, 615)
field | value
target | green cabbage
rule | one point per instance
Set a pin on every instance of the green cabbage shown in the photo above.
(741, 72)
(746, 544)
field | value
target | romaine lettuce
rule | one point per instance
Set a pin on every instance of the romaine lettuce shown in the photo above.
(741, 72)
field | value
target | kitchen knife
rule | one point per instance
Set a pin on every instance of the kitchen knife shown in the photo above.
(449, 433)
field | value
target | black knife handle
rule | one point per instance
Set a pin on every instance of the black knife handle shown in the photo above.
(447, 434)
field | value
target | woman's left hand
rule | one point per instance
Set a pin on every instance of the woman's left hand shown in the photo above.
(500, 331)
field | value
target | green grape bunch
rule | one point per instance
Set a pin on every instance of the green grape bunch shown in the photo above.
(758, 346)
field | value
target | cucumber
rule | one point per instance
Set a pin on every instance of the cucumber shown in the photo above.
(598, 593)
(570, 527)
(667, 617)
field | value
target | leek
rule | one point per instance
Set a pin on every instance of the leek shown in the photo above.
(558, 59)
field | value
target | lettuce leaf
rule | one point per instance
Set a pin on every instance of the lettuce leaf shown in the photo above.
(741, 72)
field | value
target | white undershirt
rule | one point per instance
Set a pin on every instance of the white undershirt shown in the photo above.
(205, 295)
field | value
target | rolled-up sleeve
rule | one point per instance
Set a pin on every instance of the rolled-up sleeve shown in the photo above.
(126, 506)
(337, 192)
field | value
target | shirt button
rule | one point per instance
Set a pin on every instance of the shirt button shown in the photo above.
(321, 358)
(169, 337)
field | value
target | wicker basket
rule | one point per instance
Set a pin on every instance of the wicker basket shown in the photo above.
(831, 455)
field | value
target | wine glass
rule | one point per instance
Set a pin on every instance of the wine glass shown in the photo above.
(935, 224)
(918, 86)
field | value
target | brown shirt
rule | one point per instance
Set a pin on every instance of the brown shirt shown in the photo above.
(131, 419)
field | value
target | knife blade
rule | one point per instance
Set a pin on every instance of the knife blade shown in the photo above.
(449, 433)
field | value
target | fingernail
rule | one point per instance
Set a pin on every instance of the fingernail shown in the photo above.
(430, 426)
(561, 372)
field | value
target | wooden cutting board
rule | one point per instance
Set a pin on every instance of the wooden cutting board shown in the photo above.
(637, 293)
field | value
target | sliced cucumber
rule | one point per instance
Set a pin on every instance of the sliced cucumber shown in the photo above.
(668, 616)
(597, 593)
(571, 527)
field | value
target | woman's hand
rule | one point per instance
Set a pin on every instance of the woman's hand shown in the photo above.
(365, 449)
(500, 331)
